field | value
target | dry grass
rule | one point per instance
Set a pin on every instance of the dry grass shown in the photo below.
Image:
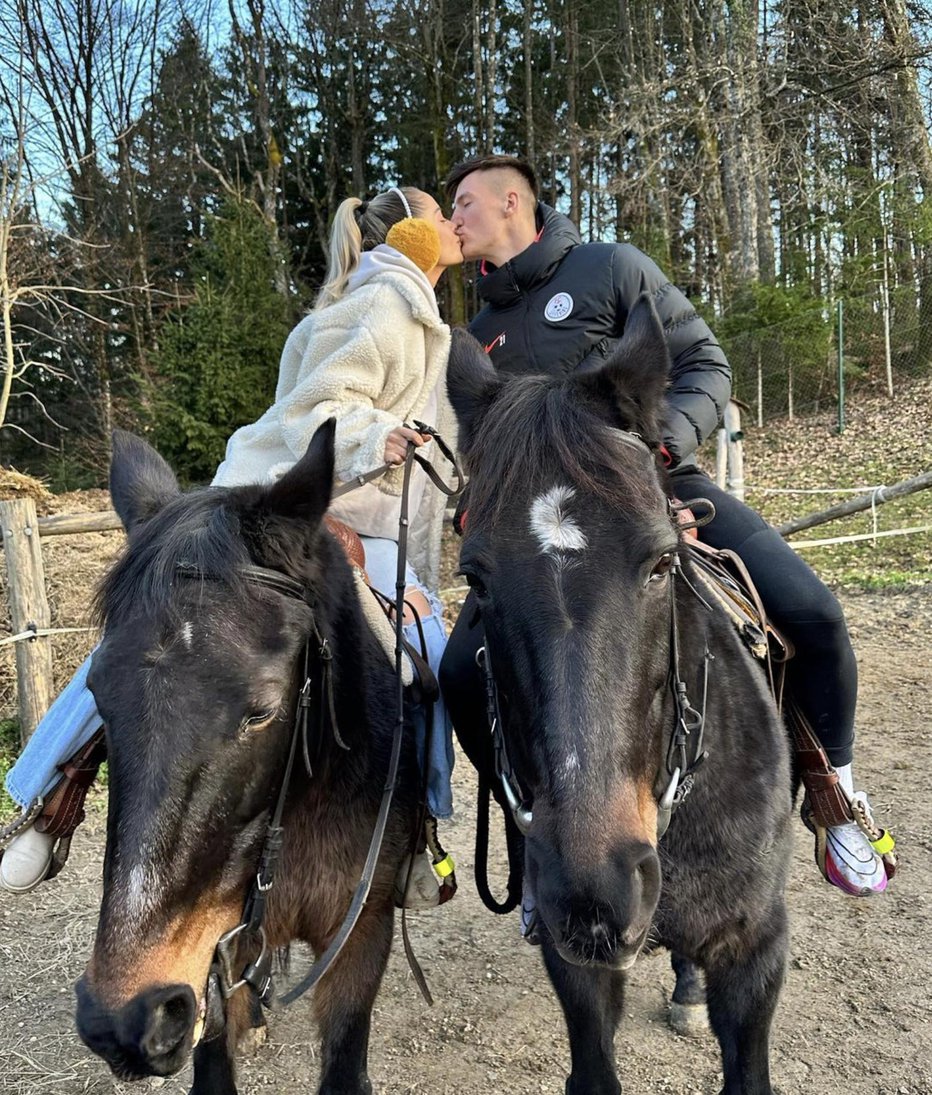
(13, 485)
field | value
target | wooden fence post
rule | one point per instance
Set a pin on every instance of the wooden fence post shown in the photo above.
(28, 608)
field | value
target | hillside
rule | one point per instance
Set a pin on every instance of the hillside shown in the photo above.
(883, 443)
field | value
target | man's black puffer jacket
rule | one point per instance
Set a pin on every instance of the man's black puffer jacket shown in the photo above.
(561, 305)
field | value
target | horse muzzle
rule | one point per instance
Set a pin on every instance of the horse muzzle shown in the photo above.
(150, 1035)
(597, 944)
(600, 916)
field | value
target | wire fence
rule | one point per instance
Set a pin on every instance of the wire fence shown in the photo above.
(812, 361)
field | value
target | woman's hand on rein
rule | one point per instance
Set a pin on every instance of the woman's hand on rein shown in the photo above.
(396, 444)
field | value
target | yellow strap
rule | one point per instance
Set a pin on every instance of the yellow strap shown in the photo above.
(885, 843)
(445, 866)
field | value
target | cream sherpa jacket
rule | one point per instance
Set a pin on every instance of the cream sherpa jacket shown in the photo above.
(373, 360)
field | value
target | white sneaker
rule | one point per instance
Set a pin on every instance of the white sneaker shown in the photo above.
(26, 861)
(423, 889)
(851, 863)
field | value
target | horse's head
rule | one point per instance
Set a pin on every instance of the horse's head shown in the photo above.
(567, 547)
(195, 679)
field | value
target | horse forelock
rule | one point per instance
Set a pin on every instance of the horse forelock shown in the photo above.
(539, 434)
(213, 533)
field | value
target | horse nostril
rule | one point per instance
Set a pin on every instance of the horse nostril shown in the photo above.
(169, 1023)
(647, 874)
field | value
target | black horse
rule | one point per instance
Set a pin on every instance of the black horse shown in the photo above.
(207, 616)
(603, 651)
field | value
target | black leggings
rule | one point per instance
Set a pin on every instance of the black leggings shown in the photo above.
(823, 675)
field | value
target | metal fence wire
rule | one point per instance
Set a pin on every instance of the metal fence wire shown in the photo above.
(808, 363)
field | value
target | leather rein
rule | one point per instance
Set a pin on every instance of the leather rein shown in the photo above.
(223, 982)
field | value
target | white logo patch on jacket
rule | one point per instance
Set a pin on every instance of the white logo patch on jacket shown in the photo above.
(558, 307)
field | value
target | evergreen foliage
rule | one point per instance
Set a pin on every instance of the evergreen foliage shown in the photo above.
(772, 159)
(218, 355)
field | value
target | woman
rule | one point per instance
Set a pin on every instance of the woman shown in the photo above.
(372, 354)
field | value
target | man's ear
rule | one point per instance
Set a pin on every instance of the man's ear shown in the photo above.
(141, 482)
(634, 380)
(304, 491)
(472, 383)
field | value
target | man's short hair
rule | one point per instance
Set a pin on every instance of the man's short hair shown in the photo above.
(489, 163)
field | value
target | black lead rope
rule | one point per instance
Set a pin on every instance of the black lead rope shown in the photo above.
(519, 821)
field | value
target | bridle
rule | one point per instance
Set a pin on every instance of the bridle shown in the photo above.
(684, 753)
(222, 980)
(684, 749)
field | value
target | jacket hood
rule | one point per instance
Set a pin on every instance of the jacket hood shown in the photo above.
(383, 264)
(535, 264)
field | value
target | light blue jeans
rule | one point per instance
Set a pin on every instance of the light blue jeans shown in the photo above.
(73, 718)
(382, 566)
(67, 725)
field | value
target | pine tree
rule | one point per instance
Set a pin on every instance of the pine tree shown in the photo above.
(218, 356)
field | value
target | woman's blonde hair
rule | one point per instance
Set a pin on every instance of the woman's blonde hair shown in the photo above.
(359, 226)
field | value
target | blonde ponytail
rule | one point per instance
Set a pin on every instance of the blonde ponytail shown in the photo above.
(345, 249)
(359, 226)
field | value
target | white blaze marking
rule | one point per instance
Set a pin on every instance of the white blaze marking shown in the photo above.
(140, 891)
(187, 634)
(554, 529)
(570, 766)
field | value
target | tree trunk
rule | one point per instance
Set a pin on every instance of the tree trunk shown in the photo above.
(527, 44)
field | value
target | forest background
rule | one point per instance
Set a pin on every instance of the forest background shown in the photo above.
(168, 171)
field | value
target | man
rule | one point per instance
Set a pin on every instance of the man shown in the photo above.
(555, 305)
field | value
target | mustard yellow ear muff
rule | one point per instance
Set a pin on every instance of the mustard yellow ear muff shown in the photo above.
(418, 240)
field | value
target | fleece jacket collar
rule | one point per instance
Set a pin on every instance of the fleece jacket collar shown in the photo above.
(383, 264)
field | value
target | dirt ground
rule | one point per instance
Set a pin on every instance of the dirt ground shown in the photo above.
(854, 1017)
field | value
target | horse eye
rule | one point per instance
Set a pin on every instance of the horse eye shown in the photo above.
(475, 584)
(661, 567)
(260, 718)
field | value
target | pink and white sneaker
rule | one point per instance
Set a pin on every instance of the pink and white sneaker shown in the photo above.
(850, 859)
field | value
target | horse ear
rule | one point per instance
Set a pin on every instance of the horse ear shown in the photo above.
(304, 491)
(141, 482)
(472, 381)
(636, 376)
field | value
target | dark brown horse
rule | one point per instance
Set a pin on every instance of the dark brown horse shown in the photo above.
(205, 657)
(615, 679)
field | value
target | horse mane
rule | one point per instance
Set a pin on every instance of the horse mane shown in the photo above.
(542, 430)
(214, 532)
